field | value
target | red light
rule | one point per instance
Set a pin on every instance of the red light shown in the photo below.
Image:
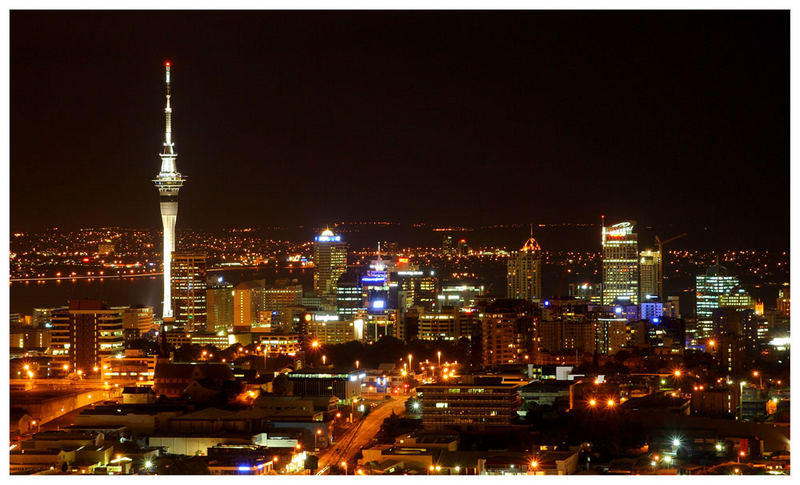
(463, 241)
(85, 260)
(167, 63)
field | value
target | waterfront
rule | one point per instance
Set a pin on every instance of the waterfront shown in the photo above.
(142, 290)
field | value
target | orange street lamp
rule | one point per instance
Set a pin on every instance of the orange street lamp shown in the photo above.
(610, 403)
(592, 402)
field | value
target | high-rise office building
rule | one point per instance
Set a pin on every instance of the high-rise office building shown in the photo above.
(219, 306)
(189, 289)
(508, 332)
(416, 287)
(136, 320)
(649, 275)
(330, 263)
(349, 296)
(248, 301)
(329, 330)
(85, 333)
(278, 298)
(784, 302)
(610, 335)
(448, 245)
(737, 298)
(620, 264)
(525, 272)
(710, 286)
(168, 182)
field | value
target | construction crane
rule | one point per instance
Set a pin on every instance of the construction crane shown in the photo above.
(660, 245)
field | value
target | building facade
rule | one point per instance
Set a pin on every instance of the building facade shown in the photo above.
(710, 286)
(189, 289)
(649, 275)
(468, 404)
(330, 263)
(85, 333)
(524, 272)
(620, 264)
(219, 307)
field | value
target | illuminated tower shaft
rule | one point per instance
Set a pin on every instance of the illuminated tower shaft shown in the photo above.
(168, 182)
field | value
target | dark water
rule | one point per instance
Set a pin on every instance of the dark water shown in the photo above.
(130, 291)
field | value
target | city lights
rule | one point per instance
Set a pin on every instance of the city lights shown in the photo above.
(373, 193)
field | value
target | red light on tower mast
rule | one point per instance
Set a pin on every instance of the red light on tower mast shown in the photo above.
(167, 63)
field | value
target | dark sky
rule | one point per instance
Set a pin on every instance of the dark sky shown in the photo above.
(674, 118)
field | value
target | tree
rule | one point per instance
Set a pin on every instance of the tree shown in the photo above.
(281, 386)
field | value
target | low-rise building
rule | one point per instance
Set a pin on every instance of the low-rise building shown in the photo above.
(480, 403)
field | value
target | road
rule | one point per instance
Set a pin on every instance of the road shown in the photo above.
(364, 433)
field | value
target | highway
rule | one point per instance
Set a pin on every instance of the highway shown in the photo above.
(360, 435)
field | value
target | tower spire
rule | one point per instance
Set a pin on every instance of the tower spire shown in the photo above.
(167, 111)
(168, 182)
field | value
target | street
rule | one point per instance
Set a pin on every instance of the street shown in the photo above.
(364, 433)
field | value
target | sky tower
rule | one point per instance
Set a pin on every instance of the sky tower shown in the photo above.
(168, 182)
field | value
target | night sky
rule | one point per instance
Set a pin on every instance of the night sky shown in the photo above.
(678, 119)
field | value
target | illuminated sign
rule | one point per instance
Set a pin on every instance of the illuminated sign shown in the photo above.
(410, 273)
(328, 238)
(326, 318)
(378, 304)
(373, 279)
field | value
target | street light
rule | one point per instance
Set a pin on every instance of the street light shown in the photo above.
(357, 363)
(344, 465)
(409, 362)
(592, 402)
(324, 358)
(439, 357)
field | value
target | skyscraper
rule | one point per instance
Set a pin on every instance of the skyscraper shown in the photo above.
(248, 301)
(219, 306)
(649, 275)
(620, 264)
(710, 286)
(330, 262)
(168, 182)
(525, 272)
(189, 289)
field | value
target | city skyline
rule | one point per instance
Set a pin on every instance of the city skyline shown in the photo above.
(238, 111)
(414, 243)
